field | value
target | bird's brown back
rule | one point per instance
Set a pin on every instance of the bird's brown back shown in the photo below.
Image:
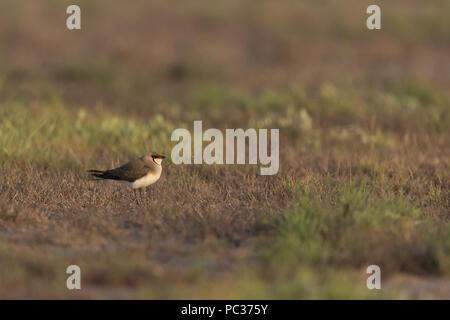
(132, 170)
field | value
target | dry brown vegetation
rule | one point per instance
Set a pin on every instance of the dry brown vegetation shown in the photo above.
(365, 159)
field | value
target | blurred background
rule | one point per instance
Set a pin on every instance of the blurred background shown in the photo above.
(364, 125)
(152, 52)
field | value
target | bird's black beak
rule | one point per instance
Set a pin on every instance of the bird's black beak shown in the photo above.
(162, 157)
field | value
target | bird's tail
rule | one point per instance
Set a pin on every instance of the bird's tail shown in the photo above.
(96, 173)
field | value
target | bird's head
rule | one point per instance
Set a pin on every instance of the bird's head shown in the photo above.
(156, 157)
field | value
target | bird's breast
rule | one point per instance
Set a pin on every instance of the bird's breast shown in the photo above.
(146, 180)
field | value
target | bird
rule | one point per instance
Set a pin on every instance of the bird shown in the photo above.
(137, 174)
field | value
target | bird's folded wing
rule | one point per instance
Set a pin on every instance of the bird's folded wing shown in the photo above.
(130, 171)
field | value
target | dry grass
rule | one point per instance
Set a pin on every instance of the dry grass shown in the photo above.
(365, 159)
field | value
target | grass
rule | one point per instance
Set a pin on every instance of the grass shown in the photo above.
(360, 196)
(348, 227)
(364, 159)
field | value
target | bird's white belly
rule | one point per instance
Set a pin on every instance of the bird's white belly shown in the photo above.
(145, 181)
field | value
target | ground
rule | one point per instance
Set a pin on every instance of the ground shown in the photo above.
(364, 123)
